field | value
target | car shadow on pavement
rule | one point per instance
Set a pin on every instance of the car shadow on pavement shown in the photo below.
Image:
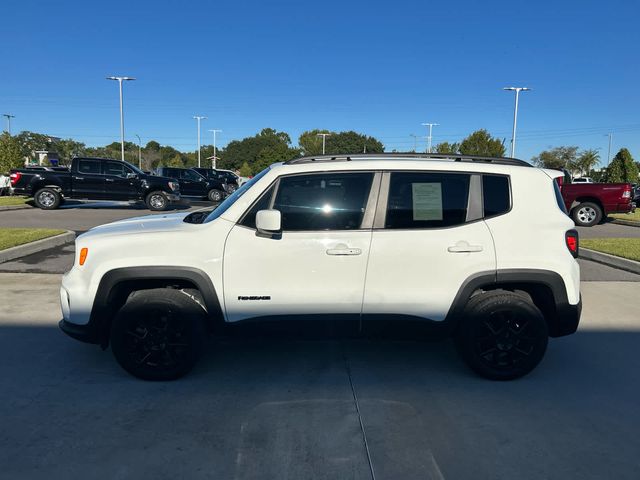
(109, 205)
(281, 406)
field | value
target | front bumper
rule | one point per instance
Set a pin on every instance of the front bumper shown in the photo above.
(567, 319)
(174, 197)
(85, 333)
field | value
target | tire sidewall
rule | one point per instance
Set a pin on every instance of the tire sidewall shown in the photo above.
(188, 313)
(51, 191)
(214, 195)
(478, 310)
(165, 201)
(595, 207)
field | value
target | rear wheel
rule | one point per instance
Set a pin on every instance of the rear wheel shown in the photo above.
(47, 199)
(502, 335)
(158, 334)
(587, 214)
(157, 201)
(215, 195)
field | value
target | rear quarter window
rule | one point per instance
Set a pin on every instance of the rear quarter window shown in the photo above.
(496, 195)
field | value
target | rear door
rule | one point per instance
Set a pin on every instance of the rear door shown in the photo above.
(192, 184)
(428, 239)
(88, 179)
(117, 185)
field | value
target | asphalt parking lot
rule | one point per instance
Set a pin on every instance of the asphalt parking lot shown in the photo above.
(284, 405)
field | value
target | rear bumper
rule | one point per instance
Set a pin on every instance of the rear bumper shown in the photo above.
(622, 208)
(567, 319)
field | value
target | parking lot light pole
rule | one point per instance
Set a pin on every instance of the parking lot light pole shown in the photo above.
(139, 152)
(215, 158)
(430, 125)
(610, 135)
(120, 80)
(199, 119)
(415, 141)
(324, 138)
(8, 116)
(515, 116)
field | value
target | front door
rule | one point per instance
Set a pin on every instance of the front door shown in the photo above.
(318, 264)
(430, 238)
(117, 185)
(192, 184)
(88, 180)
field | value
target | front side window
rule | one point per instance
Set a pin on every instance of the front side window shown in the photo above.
(191, 175)
(116, 168)
(328, 201)
(427, 200)
(89, 166)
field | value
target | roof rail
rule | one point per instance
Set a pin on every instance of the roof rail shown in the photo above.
(452, 157)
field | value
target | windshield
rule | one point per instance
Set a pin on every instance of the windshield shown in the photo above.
(134, 168)
(231, 199)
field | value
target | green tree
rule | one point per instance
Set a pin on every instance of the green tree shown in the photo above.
(557, 158)
(310, 142)
(175, 161)
(67, 149)
(11, 155)
(237, 152)
(338, 143)
(446, 147)
(482, 143)
(622, 168)
(586, 161)
(245, 170)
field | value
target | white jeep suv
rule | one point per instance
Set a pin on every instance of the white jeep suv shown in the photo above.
(480, 247)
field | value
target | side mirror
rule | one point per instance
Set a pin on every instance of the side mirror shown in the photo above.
(268, 223)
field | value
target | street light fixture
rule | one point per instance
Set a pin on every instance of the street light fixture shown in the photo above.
(515, 116)
(199, 118)
(139, 152)
(8, 116)
(324, 138)
(430, 125)
(120, 80)
(215, 158)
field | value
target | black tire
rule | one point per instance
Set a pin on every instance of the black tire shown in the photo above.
(158, 334)
(502, 335)
(47, 198)
(215, 195)
(587, 214)
(157, 201)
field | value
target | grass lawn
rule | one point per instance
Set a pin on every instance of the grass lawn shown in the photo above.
(4, 201)
(12, 237)
(632, 217)
(621, 247)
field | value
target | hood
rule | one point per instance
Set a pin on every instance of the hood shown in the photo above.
(145, 224)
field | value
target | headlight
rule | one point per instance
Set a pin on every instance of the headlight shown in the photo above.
(174, 186)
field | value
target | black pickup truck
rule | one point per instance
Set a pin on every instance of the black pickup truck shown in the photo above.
(228, 178)
(193, 184)
(94, 179)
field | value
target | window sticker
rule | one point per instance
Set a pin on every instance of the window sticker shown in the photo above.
(427, 201)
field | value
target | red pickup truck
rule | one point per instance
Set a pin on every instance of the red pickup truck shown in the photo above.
(589, 203)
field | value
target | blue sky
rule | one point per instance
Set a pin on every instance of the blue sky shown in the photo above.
(374, 67)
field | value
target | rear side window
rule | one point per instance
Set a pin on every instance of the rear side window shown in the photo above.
(427, 200)
(327, 201)
(90, 166)
(496, 195)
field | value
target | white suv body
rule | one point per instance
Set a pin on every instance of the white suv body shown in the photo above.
(368, 237)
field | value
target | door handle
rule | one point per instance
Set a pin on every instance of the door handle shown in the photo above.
(344, 251)
(78, 178)
(464, 247)
(109, 179)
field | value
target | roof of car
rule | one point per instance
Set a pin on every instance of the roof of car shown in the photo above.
(454, 157)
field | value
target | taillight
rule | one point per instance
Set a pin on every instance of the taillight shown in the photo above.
(627, 192)
(15, 176)
(573, 242)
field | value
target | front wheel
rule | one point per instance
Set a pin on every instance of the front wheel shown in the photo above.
(158, 334)
(215, 195)
(587, 214)
(157, 201)
(502, 335)
(47, 199)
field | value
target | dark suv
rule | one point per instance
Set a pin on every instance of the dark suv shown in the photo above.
(192, 184)
(228, 179)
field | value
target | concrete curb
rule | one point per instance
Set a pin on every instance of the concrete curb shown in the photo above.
(6, 208)
(629, 223)
(610, 260)
(37, 246)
